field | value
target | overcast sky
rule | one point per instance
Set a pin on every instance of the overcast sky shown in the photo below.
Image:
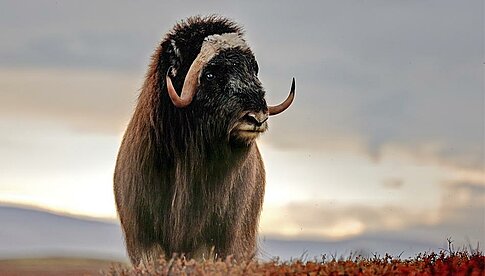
(386, 134)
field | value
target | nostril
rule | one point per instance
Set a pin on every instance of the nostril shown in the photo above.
(256, 118)
(251, 118)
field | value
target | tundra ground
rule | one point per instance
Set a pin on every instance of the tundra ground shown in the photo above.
(443, 263)
(54, 266)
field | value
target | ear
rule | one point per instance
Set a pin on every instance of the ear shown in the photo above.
(171, 57)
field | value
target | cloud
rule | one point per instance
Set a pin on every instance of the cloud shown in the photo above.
(366, 72)
(89, 101)
(386, 79)
(108, 51)
(73, 35)
(332, 220)
(462, 198)
(393, 183)
(460, 216)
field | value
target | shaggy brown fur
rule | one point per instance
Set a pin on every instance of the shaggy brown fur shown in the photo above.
(182, 182)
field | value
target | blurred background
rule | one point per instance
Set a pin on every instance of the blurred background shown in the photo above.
(381, 152)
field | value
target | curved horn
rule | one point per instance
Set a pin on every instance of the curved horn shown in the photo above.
(188, 90)
(191, 80)
(273, 110)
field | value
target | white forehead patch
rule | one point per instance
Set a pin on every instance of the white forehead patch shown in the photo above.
(225, 41)
(212, 45)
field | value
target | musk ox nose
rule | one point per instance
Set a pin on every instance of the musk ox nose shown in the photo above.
(256, 118)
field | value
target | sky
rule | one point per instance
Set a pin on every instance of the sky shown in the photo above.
(385, 136)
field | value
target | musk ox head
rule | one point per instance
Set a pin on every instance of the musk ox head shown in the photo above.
(212, 75)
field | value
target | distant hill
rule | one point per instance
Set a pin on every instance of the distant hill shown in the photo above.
(36, 233)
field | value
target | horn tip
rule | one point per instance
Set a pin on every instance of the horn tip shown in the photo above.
(292, 91)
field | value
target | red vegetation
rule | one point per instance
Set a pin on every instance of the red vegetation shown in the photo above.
(443, 263)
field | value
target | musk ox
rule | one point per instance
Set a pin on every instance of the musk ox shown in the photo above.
(189, 177)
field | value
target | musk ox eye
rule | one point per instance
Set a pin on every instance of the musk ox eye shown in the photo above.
(209, 76)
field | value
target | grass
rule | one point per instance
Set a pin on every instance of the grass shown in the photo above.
(443, 263)
(446, 262)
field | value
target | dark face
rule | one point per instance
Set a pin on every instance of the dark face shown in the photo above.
(230, 98)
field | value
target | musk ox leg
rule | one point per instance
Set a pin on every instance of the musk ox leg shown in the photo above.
(250, 223)
(152, 255)
(249, 233)
(241, 241)
(133, 250)
(140, 255)
(246, 211)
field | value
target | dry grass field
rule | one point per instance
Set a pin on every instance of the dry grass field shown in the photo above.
(54, 267)
(443, 263)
